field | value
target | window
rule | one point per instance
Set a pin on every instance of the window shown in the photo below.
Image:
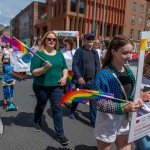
(131, 33)
(140, 21)
(81, 8)
(64, 6)
(58, 8)
(108, 30)
(133, 19)
(139, 35)
(114, 31)
(70, 24)
(73, 5)
(148, 10)
(133, 6)
(148, 22)
(141, 8)
(52, 12)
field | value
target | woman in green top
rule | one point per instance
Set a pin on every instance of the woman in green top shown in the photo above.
(49, 78)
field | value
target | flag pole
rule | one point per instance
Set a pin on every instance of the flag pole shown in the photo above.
(106, 96)
(30, 50)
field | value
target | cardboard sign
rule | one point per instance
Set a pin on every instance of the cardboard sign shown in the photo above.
(140, 125)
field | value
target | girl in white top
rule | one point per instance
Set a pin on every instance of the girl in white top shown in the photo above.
(68, 52)
(6, 56)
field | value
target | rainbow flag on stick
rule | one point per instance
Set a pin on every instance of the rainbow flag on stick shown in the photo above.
(18, 45)
(83, 96)
(17, 76)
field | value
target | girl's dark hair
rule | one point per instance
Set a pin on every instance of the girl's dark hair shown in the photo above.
(71, 42)
(116, 43)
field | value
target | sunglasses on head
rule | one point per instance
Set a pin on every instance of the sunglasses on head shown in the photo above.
(52, 39)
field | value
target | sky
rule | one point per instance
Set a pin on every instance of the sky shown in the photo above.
(10, 8)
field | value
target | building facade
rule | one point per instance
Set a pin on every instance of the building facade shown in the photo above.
(77, 15)
(22, 26)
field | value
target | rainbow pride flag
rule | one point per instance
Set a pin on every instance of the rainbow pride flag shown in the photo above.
(17, 45)
(83, 96)
(17, 76)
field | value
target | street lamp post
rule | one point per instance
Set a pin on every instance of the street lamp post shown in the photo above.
(103, 22)
(93, 25)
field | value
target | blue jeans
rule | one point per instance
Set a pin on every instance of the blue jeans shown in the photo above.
(54, 94)
(143, 143)
(93, 110)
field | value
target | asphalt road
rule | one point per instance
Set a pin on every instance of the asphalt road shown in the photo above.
(19, 133)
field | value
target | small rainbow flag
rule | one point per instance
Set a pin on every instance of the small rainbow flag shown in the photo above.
(70, 82)
(70, 75)
(17, 76)
(83, 95)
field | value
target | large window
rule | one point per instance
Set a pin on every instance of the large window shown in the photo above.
(140, 21)
(133, 19)
(133, 6)
(73, 5)
(81, 8)
(131, 33)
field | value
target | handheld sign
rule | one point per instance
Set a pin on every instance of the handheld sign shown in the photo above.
(140, 125)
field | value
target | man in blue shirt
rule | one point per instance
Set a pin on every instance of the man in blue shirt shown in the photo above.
(85, 66)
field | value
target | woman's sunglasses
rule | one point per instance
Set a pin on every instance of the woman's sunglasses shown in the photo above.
(52, 39)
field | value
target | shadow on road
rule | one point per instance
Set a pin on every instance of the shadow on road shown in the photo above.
(26, 120)
(80, 118)
(78, 147)
(53, 148)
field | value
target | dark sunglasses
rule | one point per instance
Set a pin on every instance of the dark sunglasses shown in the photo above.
(51, 39)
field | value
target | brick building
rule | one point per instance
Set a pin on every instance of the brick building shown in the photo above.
(22, 25)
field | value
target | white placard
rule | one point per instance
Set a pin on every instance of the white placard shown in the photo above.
(17, 63)
(140, 126)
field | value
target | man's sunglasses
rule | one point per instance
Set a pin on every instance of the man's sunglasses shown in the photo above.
(52, 39)
(90, 39)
